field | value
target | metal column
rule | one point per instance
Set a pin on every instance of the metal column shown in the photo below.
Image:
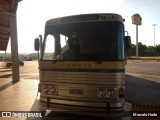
(137, 42)
(14, 49)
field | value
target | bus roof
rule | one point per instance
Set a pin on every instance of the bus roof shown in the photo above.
(85, 18)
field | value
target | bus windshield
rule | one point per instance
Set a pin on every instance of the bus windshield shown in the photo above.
(84, 41)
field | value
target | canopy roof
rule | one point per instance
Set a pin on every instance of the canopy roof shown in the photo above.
(7, 8)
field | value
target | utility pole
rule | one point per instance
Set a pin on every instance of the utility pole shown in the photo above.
(137, 42)
(154, 25)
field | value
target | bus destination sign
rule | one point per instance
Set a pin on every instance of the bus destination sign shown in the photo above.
(86, 17)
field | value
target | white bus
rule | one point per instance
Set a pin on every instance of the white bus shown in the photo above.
(82, 64)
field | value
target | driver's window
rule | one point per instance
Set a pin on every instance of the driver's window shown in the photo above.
(63, 40)
(49, 48)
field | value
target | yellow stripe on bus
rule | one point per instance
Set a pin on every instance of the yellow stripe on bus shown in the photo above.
(82, 64)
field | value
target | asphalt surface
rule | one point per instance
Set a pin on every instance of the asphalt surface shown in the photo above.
(141, 91)
(143, 82)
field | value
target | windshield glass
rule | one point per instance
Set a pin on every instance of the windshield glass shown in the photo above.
(85, 41)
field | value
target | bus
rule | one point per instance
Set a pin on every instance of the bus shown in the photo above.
(82, 62)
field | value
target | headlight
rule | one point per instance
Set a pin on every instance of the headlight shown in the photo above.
(46, 89)
(50, 89)
(106, 93)
(101, 92)
(53, 90)
(111, 93)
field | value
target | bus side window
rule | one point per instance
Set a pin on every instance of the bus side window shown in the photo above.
(49, 48)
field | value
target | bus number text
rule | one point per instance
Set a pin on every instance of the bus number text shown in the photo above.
(108, 17)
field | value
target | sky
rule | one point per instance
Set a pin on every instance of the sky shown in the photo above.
(32, 15)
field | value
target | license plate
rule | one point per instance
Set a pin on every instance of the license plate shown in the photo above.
(76, 91)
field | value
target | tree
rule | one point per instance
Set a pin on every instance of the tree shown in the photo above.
(158, 50)
(132, 51)
(144, 50)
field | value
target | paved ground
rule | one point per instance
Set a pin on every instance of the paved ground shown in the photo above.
(29, 71)
(22, 96)
(22, 93)
(142, 91)
(144, 67)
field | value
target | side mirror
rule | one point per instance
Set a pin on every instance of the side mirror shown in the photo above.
(128, 42)
(36, 44)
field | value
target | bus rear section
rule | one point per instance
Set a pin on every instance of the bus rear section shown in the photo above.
(82, 65)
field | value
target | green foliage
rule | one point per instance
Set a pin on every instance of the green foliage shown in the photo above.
(144, 50)
(158, 50)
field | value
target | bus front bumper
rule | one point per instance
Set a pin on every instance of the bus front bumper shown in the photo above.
(107, 109)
